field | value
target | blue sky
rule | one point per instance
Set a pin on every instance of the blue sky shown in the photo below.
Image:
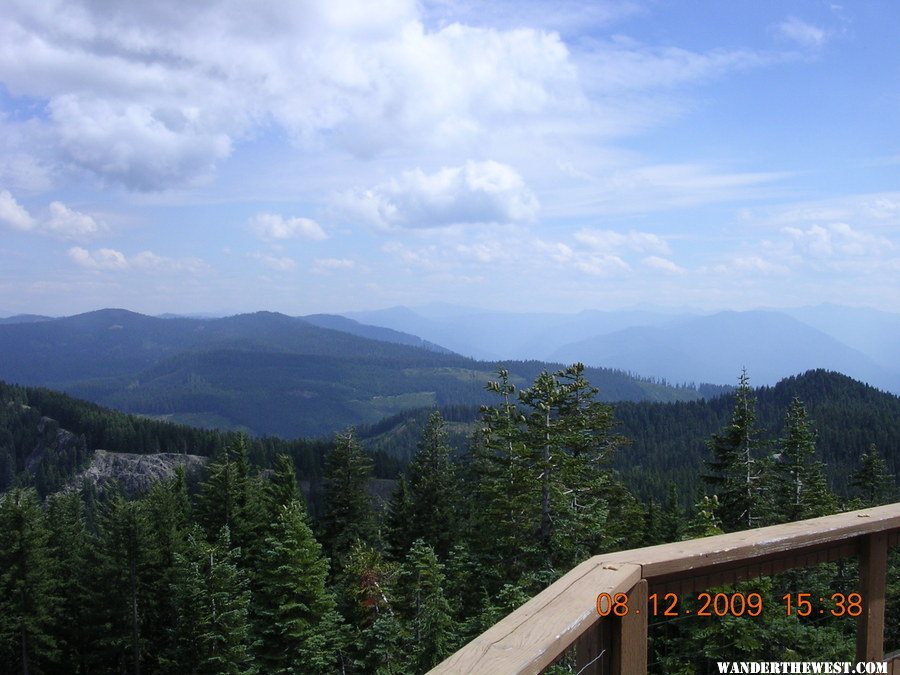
(230, 156)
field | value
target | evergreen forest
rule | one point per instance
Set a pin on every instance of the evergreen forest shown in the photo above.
(278, 557)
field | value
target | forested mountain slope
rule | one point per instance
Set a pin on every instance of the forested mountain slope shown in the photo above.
(47, 438)
(667, 442)
(264, 373)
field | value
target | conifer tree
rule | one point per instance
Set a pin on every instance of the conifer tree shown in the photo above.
(704, 522)
(572, 440)
(168, 514)
(69, 544)
(671, 518)
(799, 488)
(367, 585)
(213, 633)
(348, 511)
(506, 492)
(232, 498)
(300, 629)
(431, 628)
(27, 599)
(282, 486)
(125, 559)
(433, 490)
(872, 483)
(735, 469)
(399, 520)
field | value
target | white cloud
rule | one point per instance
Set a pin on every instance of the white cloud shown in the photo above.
(101, 259)
(66, 223)
(424, 257)
(612, 241)
(333, 264)
(802, 32)
(663, 265)
(273, 262)
(622, 65)
(148, 260)
(275, 227)
(837, 240)
(602, 265)
(112, 260)
(13, 214)
(154, 98)
(477, 192)
(141, 146)
(593, 263)
(60, 221)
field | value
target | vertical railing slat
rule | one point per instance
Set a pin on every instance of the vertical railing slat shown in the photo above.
(872, 583)
(629, 655)
(592, 649)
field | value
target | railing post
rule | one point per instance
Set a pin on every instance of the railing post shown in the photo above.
(872, 582)
(629, 648)
(592, 649)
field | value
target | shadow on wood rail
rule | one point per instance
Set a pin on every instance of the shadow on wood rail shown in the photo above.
(536, 634)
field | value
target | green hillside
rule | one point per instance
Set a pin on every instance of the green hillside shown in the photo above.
(264, 373)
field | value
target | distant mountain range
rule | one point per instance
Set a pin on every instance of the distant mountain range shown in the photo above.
(265, 372)
(680, 347)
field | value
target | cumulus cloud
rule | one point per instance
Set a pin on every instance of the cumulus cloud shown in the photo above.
(612, 241)
(275, 227)
(663, 265)
(13, 214)
(101, 259)
(273, 262)
(142, 147)
(837, 240)
(110, 259)
(59, 221)
(333, 264)
(154, 97)
(64, 222)
(801, 32)
(590, 262)
(477, 192)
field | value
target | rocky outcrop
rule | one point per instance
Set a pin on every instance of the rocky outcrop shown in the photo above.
(132, 472)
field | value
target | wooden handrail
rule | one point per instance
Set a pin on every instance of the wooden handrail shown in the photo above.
(537, 633)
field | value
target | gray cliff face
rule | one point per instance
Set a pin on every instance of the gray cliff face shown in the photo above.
(133, 472)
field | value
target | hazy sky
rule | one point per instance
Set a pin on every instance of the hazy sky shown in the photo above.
(224, 156)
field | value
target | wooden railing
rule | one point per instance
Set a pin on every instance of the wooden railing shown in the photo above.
(535, 635)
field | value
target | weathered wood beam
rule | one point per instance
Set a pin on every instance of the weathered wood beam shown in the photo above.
(872, 586)
(534, 635)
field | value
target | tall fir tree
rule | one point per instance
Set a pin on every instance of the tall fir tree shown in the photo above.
(872, 483)
(799, 488)
(399, 518)
(367, 584)
(348, 510)
(69, 544)
(506, 494)
(168, 514)
(572, 439)
(231, 497)
(27, 584)
(735, 470)
(213, 633)
(282, 487)
(123, 582)
(300, 630)
(431, 629)
(431, 512)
